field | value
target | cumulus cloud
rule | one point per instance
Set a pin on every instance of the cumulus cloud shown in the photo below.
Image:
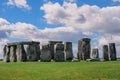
(116, 0)
(89, 20)
(19, 4)
(85, 17)
(79, 21)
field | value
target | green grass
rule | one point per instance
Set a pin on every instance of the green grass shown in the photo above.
(60, 70)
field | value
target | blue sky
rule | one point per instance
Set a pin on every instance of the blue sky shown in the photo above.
(66, 20)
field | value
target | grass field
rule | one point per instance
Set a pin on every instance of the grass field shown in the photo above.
(60, 71)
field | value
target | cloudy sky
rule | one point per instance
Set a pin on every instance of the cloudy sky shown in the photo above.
(66, 20)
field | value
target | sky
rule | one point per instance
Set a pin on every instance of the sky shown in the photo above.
(62, 20)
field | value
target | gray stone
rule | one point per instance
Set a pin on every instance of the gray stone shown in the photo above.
(68, 51)
(33, 52)
(112, 50)
(22, 43)
(45, 54)
(92, 60)
(84, 49)
(6, 57)
(38, 51)
(13, 57)
(105, 53)
(59, 52)
(21, 54)
(52, 44)
(95, 53)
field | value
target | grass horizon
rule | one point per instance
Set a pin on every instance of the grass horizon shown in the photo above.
(109, 70)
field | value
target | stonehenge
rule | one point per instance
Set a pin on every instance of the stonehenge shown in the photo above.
(30, 51)
(84, 49)
(45, 54)
(105, 53)
(52, 45)
(68, 51)
(95, 53)
(59, 52)
(109, 52)
(112, 51)
(15, 52)
(56, 51)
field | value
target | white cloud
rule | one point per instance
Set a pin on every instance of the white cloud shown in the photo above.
(84, 21)
(85, 17)
(90, 20)
(116, 0)
(19, 4)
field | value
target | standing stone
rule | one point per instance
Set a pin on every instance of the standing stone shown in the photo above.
(84, 49)
(45, 54)
(21, 54)
(95, 53)
(52, 44)
(38, 51)
(112, 50)
(13, 57)
(33, 52)
(6, 53)
(59, 52)
(68, 51)
(105, 52)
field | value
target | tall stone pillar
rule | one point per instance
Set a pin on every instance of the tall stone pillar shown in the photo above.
(38, 51)
(21, 54)
(95, 53)
(68, 51)
(52, 50)
(33, 52)
(45, 54)
(52, 45)
(84, 49)
(105, 52)
(59, 52)
(13, 57)
(112, 50)
(6, 56)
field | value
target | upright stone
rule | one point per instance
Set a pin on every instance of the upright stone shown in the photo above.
(52, 44)
(59, 52)
(105, 52)
(68, 51)
(13, 57)
(95, 53)
(33, 52)
(45, 54)
(38, 51)
(84, 49)
(21, 54)
(112, 50)
(6, 56)
(4, 52)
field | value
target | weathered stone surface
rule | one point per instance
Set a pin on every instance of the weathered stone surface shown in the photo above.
(13, 57)
(51, 44)
(38, 51)
(105, 52)
(6, 55)
(45, 53)
(68, 51)
(84, 49)
(59, 52)
(95, 53)
(112, 51)
(33, 52)
(21, 54)
(22, 43)
(92, 60)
